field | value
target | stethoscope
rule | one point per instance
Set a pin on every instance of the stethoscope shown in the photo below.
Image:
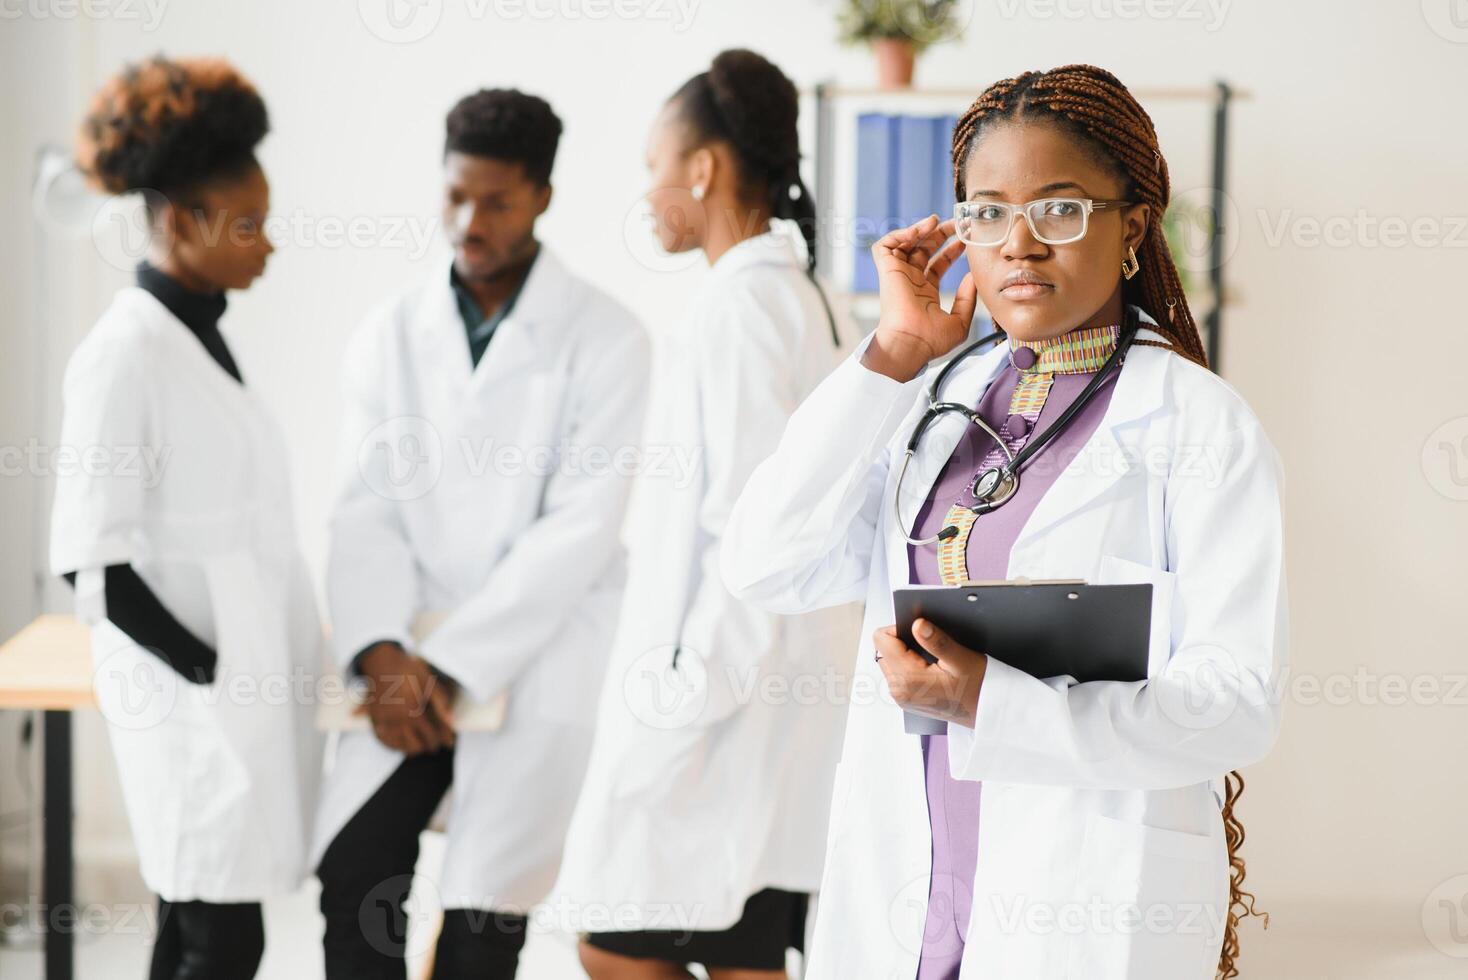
(994, 487)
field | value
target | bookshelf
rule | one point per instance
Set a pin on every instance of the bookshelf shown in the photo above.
(834, 103)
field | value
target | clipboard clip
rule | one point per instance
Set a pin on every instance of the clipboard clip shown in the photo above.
(1024, 581)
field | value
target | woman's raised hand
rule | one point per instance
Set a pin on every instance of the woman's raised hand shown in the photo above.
(913, 327)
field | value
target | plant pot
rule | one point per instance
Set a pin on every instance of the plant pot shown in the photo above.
(895, 57)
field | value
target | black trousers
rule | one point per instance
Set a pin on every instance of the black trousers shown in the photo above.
(205, 941)
(367, 872)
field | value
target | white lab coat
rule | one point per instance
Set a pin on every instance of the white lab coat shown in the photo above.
(219, 780)
(711, 781)
(1101, 847)
(490, 496)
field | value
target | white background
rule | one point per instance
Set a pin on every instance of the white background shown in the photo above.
(1352, 351)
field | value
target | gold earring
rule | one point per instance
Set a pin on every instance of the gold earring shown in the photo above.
(1127, 271)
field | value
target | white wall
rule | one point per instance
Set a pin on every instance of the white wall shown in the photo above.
(1356, 111)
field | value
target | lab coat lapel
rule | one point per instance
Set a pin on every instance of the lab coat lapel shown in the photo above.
(192, 350)
(514, 344)
(1110, 453)
(442, 333)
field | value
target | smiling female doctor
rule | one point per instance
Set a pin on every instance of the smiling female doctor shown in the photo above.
(1096, 845)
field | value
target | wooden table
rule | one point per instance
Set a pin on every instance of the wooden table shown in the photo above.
(47, 667)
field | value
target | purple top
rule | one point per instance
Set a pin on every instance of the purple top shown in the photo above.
(953, 804)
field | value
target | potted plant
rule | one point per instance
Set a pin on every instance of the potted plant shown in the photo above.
(898, 31)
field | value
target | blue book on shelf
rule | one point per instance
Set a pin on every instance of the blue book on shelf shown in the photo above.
(943, 192)
(876, 171)
(916, 142)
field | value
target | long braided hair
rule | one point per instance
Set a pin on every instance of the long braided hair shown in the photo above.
(1096, 108)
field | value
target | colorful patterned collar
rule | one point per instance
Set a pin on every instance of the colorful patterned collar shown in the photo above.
(1078, 352)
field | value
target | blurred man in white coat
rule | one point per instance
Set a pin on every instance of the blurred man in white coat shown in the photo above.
(490, 432)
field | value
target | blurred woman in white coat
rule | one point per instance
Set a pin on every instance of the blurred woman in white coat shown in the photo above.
(699, 834)
(205, 633)
(1058, 829)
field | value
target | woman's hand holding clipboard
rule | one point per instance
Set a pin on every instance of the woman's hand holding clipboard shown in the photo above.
(945, 689)
(1047, 629)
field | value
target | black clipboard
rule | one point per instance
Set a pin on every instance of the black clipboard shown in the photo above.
(1046, 629)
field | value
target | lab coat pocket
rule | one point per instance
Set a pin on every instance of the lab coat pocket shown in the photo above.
(662, 695)
(563, 685)
(1115, 570)
(253, 687)
(666, 770)
(1146, 903)
(249, 622)
(256, 710)
(841, 816)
